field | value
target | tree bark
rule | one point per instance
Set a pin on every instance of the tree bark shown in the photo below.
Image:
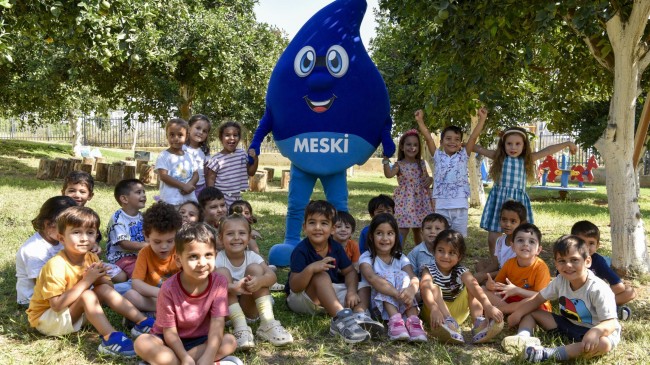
(477, 194)
(77, 134)
(187, 97)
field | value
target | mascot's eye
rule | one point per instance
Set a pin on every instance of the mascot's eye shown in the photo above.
(337, 61)
(305, 61)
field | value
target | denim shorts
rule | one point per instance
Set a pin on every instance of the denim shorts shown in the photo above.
(575, 333)
(189, 343)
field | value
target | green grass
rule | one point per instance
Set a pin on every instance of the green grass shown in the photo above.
(21, 195)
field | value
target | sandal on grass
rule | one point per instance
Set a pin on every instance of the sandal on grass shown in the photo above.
(274, 333)
(277, 287)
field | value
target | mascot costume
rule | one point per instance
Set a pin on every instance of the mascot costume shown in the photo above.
(328, 109)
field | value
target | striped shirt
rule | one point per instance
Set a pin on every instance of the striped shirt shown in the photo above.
(450, 285)
(231, 170)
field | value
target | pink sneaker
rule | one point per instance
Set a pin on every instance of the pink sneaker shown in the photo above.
(396, 329)
(416, 332)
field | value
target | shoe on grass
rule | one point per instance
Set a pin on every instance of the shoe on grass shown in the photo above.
(117, 345)
(244, 336)
(229, 360)
(366, 322)
(344, 325)
(448, 332)
(484, 330)
(142, 327)
(624, 312)
(517, 344)
(274, 333)
(416, 331)
(535, 354)
(397, 329)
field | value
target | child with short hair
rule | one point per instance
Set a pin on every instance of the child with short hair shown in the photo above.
(322, 278)
(213, 206)
(79, 185)
(380, 204)
(451, 294)
(125, 236)
(156, 261)
(343, 229)
(192, 306)
(249, 281)
(176, 169)
(191, 211)
(522, 276)
(40, 247)
(587, 310)
(422, 254)
(247, 212)
(623, 292)
(73, 285)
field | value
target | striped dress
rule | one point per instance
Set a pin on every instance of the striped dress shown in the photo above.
(232, 174)
(511, 186)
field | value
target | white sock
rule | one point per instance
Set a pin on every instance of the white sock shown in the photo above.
(524, 332)
(237, 316)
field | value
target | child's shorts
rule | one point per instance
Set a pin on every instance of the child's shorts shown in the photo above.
(127, 264)
(52, 323)
(459, 307)
(575, 332)
(189, 343)
(302, 303)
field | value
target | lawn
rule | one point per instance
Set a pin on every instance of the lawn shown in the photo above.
(21, 195)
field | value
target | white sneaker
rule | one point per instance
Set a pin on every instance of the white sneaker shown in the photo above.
(244, 336)
(517, 344)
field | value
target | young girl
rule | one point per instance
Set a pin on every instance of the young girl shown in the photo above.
(40, 247)
(513, 213)
(450, 294)
(229, 169)
(176, 169)
(191, 212)
(191, 307)
(248, 291)
(246, 210)
(392, 280)
(451, 183)
(412, 198)
(513, 164)
(198, 147)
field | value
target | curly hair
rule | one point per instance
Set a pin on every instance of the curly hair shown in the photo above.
(500, 155)
(161, 217)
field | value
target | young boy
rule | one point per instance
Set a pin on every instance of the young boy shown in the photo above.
(622, 292)
(343, 228)
(587, 309)
(73, 284)
(191, 307)
(157, 261)
(423, 254)
(79, 185)
(379, 204)
(522, 276)
(125, 237)
(322, 277)
(213, 205)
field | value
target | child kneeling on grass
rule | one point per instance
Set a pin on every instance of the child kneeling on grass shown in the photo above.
(587, 310)
(73, 285)
(191, 308)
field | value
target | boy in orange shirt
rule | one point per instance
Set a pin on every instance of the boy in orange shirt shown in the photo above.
(157, 261)
(343, 229)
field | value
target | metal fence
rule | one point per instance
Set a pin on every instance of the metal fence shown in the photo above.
(16, 129)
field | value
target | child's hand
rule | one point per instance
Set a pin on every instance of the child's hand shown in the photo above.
(507, 290)
(514, 319)
(590, 342)
(239, 287)
(572, 148)
(490, 283)
(253, 284)
(252, 153)
(482, 114)
(436, 318)
(352, 299)
(419, 116)
(407, 295)
(323, 265)
(187, 189)
(95, 271)
(427, 181)
(188, 360)
(494, 313)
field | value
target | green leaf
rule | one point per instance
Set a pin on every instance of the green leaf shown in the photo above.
(56, 11)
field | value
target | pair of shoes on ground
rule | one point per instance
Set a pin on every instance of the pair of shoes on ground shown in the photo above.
(411, 330)
(448, 332)
(272, 332)
(485, 330)
(517, 344)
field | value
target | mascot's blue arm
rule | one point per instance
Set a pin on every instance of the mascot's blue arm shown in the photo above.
(266, 123)
(386, 139)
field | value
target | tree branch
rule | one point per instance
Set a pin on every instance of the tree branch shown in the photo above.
(592, 43)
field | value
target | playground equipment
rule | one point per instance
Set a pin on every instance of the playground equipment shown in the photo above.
(550, 170)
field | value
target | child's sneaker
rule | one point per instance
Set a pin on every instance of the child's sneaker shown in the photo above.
(448, 332)
(244, 336)
(484, 330)
(274, 333)
(367, 323)
(344, 325)
(277, 287)
(535, 354)
(142, 327)
(229, 360)
(624, 312)
(416, 332)
(517, 344)
(396, 329)
(117, 344)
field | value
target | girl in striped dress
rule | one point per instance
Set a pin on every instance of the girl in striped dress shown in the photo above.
(229, 169)
(512, 166)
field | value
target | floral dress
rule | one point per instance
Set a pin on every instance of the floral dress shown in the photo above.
(412, 197)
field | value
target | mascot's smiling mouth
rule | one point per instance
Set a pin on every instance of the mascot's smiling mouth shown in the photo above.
(320, 106)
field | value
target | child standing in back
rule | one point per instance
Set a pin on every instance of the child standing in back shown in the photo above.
(229, 169)
(451, 182)
(176, 169)
(394, 285)
(412, 198)
(197, 146)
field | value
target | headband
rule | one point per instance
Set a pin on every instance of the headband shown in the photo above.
(411, 132)
(510, 131)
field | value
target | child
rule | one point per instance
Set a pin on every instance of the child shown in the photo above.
(191, 307)
(380, 204)
(40, 247)
(587, 310)
(73, 285)
(513, 213)
(343, 228)
(190, 211)
(250, 279)
(125, 237)
(623, 293)
(394, 285)
(229, 169)
(451, 182)
(213, 206)
(322, 278)
(176, 169)
(422, 254)
(197, 146)
(450, 294)
(522, 276)
(513, 164)
(157, 261)
(412, 198)
(78, 185)
(247, 212)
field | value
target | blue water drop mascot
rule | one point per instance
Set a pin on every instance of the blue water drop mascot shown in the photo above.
(328, 109)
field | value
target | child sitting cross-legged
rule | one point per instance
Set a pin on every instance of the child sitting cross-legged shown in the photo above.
(587, 310)
(249, 282)
(73, 285)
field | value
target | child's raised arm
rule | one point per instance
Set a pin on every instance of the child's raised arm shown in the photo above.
(549, 150)
(431, 144)
(251, 169)
(471, 141)
(389, 171)
(475, 291)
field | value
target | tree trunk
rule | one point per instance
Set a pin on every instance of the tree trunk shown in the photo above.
(477, 194)
(77, 134)
(187, 97)
(135, 136)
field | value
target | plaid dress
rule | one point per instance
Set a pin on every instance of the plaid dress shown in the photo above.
(512, 186)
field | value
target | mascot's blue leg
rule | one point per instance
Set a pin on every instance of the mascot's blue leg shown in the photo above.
(301, 185)
(336, 190)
